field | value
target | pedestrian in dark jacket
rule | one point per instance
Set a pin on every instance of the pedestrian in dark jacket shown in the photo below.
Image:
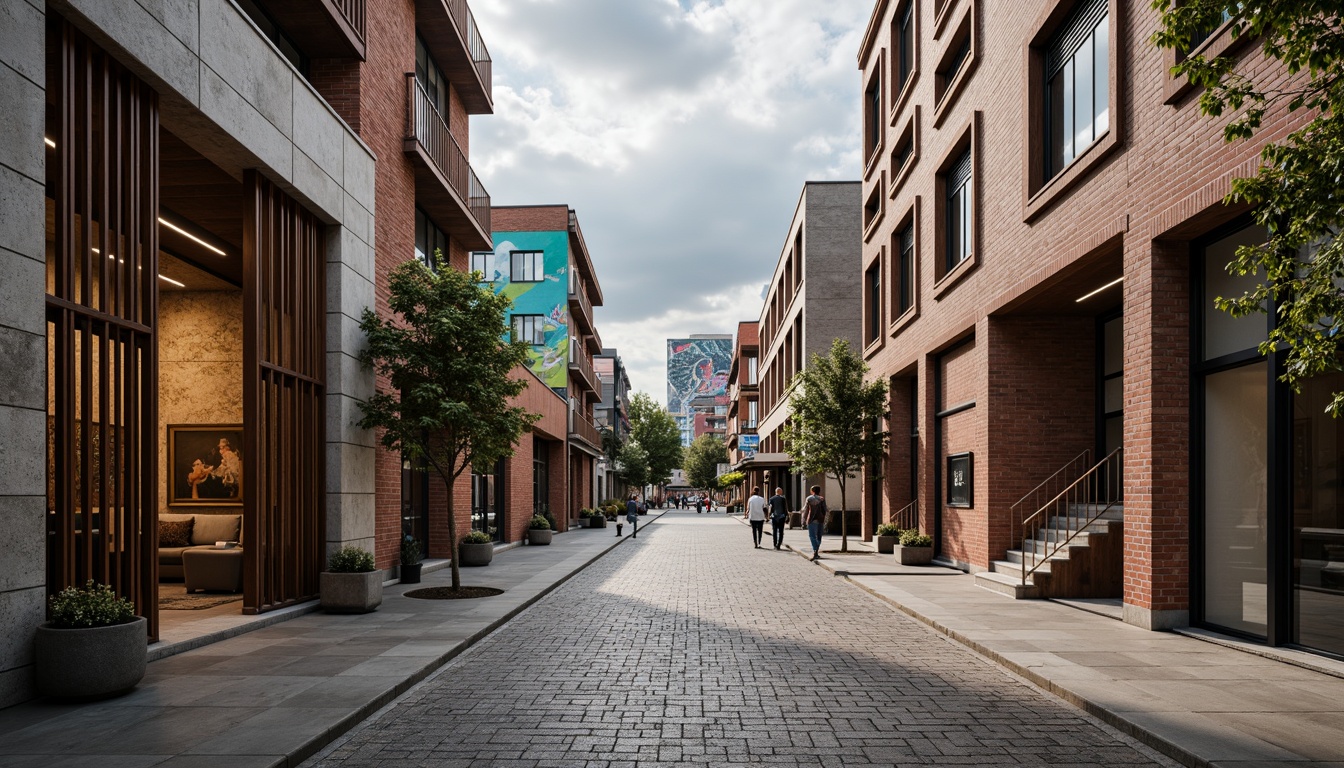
(632, 515)
(779, 513)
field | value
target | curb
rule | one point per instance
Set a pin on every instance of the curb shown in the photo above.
(349, 722)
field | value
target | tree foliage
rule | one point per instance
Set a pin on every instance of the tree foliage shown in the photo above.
(633, 462)
(1298, 195)
(444, 352)
(835, 426)
(730, 479)
(703, 458)
(656, 431)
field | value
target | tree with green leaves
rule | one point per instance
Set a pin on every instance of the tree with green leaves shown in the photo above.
(835, 422)
(633, 464)
(655, 429)
(703, 458)
(1296, 193)
(445, 354)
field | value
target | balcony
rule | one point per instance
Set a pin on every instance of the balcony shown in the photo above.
(580, 308)
(327, 29)
(445, 185)
(449, 30)
(581, 428)
(581, 367)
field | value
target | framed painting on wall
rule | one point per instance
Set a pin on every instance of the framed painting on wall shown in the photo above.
(960, 480)
(204, 464)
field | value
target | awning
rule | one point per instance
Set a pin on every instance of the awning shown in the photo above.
(764, 461)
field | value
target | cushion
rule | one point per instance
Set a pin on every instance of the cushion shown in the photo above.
(212, 528)
(175, 533)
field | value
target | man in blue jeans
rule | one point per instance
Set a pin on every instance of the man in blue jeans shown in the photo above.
(632, 515)
(814, 517)
(779, 514)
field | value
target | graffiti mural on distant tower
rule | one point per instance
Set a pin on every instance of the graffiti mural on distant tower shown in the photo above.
(696, 368)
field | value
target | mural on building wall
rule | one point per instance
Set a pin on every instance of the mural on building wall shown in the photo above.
(697, 368)
(547, 298)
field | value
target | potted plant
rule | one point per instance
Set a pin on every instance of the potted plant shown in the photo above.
(585, 518)
(539, 530)
(598, 520)
(476, 549)
(351, 584)
(93, 647)
(914, 549)
(410, 560)
(886, 537)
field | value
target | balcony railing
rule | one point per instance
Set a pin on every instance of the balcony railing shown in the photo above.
(584, 429)
(427, 127)
(466, 21)
(579, 297)
(580, 363)
(353, 11)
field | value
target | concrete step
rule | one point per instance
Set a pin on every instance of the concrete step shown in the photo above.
(1116, 511)
(1013, 565)
(1005, 584)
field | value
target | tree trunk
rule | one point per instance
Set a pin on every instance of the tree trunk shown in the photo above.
(452, 535)
(844, 528)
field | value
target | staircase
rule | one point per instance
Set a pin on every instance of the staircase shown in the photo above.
(1073, 544)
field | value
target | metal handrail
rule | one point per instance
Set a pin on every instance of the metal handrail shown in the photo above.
(353, 12)
(1079, 505)
(1051, 486)
(426, 125)
(466, 25)
(907, 518)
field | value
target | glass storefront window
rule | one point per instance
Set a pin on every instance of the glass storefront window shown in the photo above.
(1318, 518)
(1236, 464)
(1223, 333)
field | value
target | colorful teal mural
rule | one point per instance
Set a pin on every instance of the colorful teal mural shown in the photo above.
(546, 298)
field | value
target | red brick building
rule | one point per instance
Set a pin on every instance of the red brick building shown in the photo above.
(1043, 236)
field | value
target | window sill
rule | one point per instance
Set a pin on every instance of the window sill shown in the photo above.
(941, 17)
(873, 160)
(874, 346)
(954, 88)
(1077, 170)
(903, 98)
(903, 321)
(898, 180)
(871, 227)
(1220, 43)
(954, 276)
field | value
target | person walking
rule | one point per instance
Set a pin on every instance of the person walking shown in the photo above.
(755, 514)
(814, 517)
(632, 515)
(779, 513)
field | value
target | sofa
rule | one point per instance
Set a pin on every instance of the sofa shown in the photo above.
(205, 531)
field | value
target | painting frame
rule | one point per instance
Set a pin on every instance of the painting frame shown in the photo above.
(961, 480)
(218, 481)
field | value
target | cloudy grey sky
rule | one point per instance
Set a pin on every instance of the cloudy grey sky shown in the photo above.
(680, 132)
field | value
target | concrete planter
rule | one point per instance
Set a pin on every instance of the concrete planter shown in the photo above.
(914, 555)
(539, 536)
(90, 663)
(795, 519)
(597, 522)
(886, 544)
(351, 592)
(475, 555)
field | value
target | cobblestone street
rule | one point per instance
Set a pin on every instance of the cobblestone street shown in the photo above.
(688, 646)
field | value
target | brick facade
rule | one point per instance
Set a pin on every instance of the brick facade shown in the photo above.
(1128, 206)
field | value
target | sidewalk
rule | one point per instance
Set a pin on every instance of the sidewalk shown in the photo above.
(276, 695)
(1200, 698)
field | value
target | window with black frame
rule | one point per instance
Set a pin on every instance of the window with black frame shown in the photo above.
(527, 266)
(904, 245)
(903, 41)
(1077, 85)
(959, 213)
(530, 329)
(430, 241)
(873, 281)
(872, 117)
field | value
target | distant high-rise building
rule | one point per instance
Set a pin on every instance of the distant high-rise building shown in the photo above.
(697, 377)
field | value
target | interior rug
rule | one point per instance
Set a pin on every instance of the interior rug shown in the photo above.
(174, 597)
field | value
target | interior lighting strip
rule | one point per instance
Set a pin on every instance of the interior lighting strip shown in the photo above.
(190, 236)
(161, 277)
(1116, 281)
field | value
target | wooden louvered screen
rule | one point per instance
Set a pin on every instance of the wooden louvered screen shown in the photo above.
(284, 359)
(101, 305)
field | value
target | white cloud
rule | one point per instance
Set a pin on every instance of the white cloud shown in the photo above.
(681, 133)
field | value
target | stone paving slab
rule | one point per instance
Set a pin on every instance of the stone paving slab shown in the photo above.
(277, 694)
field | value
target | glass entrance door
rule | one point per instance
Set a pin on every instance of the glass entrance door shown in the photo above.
(1318, 518)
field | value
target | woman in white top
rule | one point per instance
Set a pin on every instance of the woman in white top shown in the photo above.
(756, 514)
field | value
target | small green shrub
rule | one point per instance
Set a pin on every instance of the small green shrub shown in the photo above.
(410, 551)
(350, 560)
(586, 513)
(477, 537)
(539, 523)
(93, 605)
(912, 538)
(888, 529)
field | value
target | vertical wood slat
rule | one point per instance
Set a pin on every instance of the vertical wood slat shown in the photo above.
(282, 391)
(100, 315)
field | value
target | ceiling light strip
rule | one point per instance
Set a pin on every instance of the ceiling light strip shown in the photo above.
(1116, 281)
(187, 234)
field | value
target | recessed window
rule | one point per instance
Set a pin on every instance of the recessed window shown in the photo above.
(1197, 40)
(527, 266)
(431, 244)
(480, 262)
(958, 212)
(958, 58)
(1077, 89)
(960, 54)
(530, 329)
(903, 245)
(872, 116)
(430, 77)
(873, 283)
(903, 47)
(902, 153)
(753, 409)
(872, 209)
